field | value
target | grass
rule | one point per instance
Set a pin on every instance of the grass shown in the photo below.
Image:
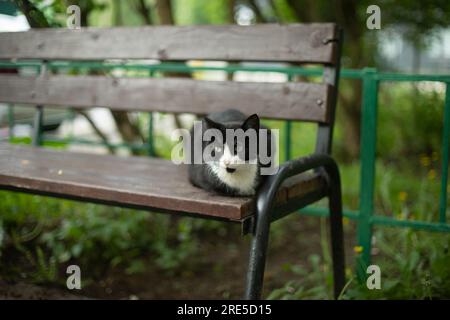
(414, 265)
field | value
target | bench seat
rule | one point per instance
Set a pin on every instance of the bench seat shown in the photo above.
(136, 182)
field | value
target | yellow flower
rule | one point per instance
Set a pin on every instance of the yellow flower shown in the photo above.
(358, 249)
(402, 196)
(431, 174)
(425, 160)
(345, 221)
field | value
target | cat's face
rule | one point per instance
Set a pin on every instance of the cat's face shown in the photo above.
(234, 160)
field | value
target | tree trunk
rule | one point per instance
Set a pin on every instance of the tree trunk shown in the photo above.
(351, 112)
(164, 12)
(35, 17)
(144, 11)
(165, 17)
(343, 12)
(129, 132)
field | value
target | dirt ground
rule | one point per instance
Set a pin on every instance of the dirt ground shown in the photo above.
(218, 272)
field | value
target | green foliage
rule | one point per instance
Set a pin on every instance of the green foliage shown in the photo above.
(414, 265)
(189, 12)
(313, 283)
(419, 271)
(411, 118)
(284, 11)
(316, 278)
(47, 13)
(49, 233)
(27, 140)
(421, 19)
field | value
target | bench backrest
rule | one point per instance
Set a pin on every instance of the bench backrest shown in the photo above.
(295, 43)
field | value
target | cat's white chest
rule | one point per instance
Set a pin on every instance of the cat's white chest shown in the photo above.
(244, 180)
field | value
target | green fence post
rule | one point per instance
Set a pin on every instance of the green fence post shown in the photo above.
(150, 145)
(367, 183)
(36, 138)
(287, 138)
(11, 122)
(445, 151)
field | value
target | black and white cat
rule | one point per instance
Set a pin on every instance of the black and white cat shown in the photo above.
(235, 170)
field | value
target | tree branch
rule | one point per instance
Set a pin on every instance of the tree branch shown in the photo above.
(96, 129)
(144, 11)
(258, 14)
(35, 17)
(164, 12)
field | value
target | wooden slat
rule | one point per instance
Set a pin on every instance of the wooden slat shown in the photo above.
(267, 42)
(294, 100)
(298, 186)
(134, 181)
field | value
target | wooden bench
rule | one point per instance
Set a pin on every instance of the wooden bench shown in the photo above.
(159, 185)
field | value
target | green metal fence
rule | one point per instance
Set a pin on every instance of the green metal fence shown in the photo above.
(366, 217)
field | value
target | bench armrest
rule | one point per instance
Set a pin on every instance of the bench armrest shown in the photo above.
(297, 166)
(269, 189)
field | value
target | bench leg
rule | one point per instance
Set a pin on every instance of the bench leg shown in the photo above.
(260, 240)
(258, 250)
(337, 237)
(257, 260)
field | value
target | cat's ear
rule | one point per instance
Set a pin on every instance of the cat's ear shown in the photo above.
(210, 124)
(251, 122)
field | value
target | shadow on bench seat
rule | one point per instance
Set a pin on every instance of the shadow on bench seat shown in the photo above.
(136, 182)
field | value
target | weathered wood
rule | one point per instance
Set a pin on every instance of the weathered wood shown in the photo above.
(293, 100)
(298, 186)
(134, 181)
(307, 43)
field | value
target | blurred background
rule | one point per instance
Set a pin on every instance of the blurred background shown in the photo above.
(135, 254)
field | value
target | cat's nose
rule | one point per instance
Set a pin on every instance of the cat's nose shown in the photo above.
(226, 162)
